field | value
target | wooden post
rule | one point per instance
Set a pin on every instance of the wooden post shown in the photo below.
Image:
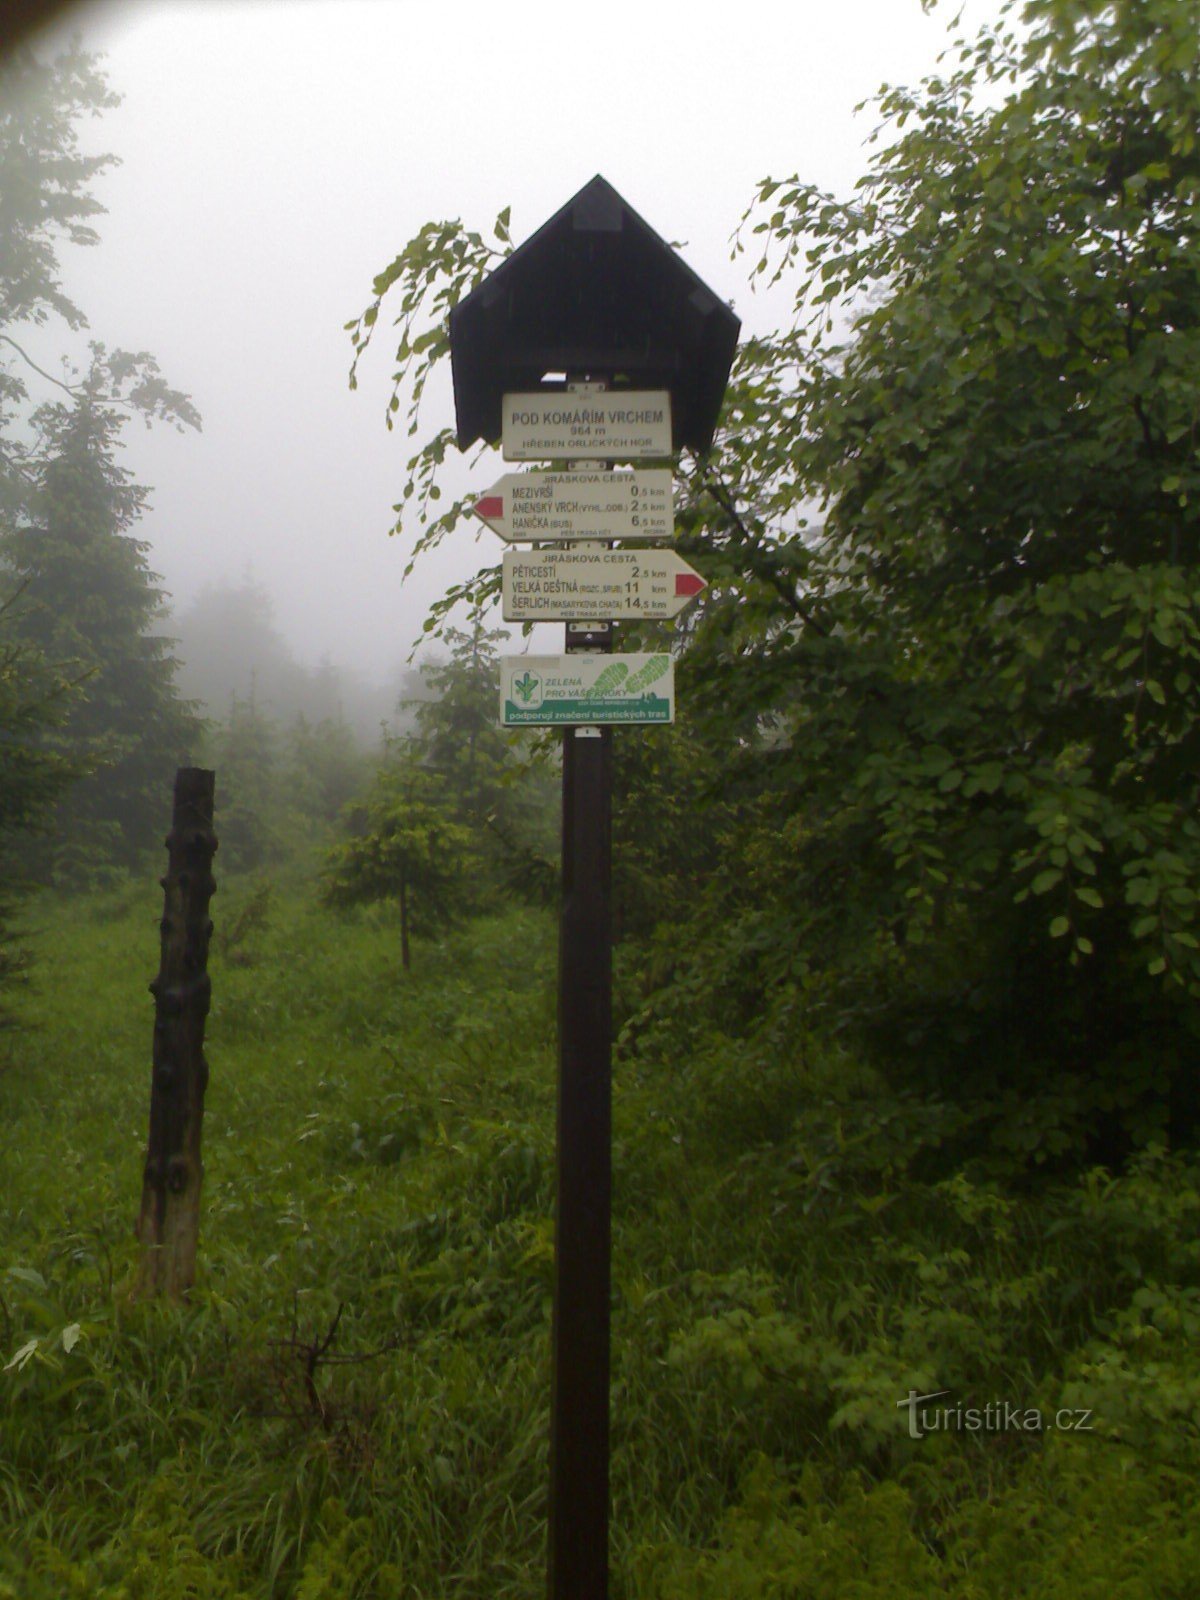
(169, 1222)
(579, 1381)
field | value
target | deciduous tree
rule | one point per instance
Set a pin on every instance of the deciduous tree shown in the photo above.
(953, 627)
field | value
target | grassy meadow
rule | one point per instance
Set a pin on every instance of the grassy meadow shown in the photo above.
(354, 1403)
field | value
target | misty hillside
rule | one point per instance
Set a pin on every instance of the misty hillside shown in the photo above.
(228, 646)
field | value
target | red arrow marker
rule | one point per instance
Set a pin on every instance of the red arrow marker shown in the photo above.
(492, 505)
(689, 583)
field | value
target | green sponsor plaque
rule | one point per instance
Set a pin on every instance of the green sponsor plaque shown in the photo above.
(554, 691)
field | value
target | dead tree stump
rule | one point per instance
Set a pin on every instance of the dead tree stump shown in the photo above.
(169, 1222)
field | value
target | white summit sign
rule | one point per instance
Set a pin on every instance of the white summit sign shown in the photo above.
(557, 507)
(601, 425)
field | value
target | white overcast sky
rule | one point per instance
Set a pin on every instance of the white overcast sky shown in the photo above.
(276, 154)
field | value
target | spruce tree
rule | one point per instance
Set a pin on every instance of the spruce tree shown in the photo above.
(90, 604)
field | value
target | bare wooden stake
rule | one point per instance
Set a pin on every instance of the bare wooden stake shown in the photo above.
(169, 1222)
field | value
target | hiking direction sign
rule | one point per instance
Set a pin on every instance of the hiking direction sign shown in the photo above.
(580, 585)
(552, 691)
(557, 507)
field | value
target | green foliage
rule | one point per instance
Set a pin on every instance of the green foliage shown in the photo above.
(784, 1538)
(243, 752)
(404, 840)
(46, 185)
(358, 1388)
(89, 603)
(280, 788)
(31, 777)
(242, 924)
(326, 768)
(975, 679)
(44, 177)
(984, 665)
(153, 1556)
(458, 735)
(455, 813)
(437, 268)
(1051, 1535)
(944, 675)
(183, 1446)
(83, 686)
(498, 783)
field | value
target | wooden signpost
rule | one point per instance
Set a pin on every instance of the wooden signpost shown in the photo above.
(646, 349)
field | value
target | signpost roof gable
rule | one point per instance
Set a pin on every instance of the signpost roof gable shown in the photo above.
(594, 292)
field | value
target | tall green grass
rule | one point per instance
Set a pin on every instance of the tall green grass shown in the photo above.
(354, 1402)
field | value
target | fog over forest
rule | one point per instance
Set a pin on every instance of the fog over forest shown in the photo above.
(229, 646)
(273, 159)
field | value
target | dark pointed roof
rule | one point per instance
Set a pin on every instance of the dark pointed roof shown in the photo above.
(595, 292)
